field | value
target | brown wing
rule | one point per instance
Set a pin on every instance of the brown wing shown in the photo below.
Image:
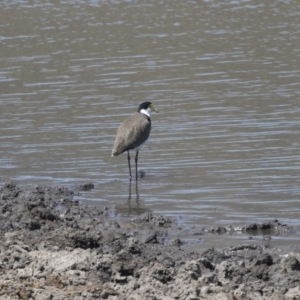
(133, 132)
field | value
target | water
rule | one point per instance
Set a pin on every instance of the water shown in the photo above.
(224, 75)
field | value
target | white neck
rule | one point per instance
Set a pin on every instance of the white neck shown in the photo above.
(146, 112)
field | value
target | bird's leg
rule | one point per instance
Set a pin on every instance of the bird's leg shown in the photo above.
(128, 158)
(136, 163)
(129, 192)
(137, 191)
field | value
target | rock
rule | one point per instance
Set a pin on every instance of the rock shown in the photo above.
(293, 293)
(151, 239)
(85, 186)
(264, 259)
(291, 263)
(108, 291)
(43, 213)
(24, 293)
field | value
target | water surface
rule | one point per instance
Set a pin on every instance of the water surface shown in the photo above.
(224, 75)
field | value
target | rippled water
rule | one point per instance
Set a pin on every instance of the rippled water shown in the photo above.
(223, 74)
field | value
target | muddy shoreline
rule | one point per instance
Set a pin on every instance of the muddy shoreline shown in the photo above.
(52, 247)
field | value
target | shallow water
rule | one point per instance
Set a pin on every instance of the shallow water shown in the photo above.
(223, 74)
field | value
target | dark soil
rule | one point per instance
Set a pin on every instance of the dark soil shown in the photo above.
(51, 247)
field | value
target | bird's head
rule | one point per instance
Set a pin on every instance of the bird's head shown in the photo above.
(147, 108)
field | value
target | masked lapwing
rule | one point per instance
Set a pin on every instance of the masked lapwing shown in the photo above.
(133, 133)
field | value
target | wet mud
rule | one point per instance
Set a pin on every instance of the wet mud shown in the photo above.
(52, 247)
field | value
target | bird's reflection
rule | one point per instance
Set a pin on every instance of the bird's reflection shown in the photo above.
(136, 190)
(133, 206)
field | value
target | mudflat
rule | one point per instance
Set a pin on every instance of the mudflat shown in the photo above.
(52, 247)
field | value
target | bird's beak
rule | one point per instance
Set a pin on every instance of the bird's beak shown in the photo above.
(153, 108)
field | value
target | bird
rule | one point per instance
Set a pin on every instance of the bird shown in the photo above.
(133, 133)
